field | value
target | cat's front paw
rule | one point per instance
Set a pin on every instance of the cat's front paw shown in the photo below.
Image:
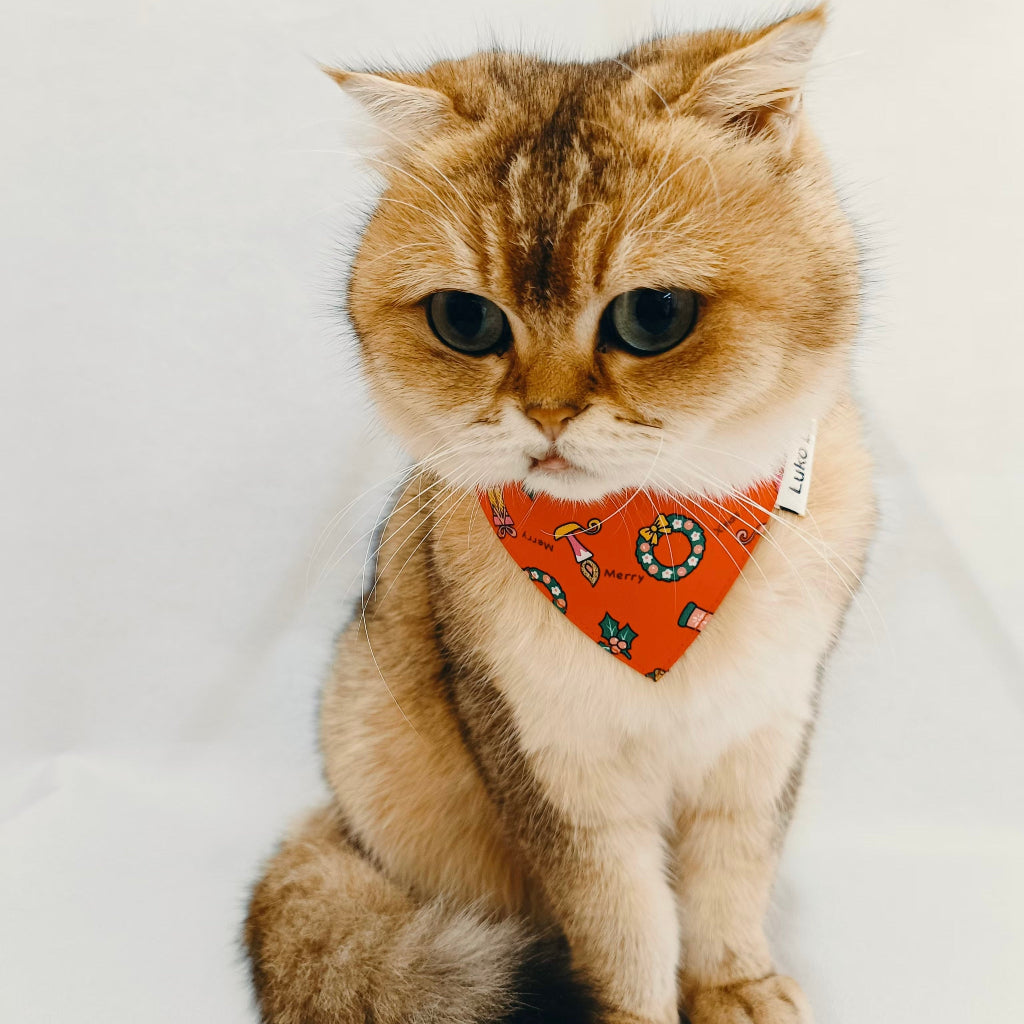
(775, 999)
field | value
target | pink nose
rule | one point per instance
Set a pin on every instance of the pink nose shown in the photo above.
(551, 421)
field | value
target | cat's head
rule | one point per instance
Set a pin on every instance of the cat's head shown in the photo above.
(593, 277)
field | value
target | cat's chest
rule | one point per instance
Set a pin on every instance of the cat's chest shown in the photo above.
(580, 709)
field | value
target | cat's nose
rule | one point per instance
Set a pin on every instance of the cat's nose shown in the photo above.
(551, 421)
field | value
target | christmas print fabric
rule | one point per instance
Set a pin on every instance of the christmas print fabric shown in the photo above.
(641, 574)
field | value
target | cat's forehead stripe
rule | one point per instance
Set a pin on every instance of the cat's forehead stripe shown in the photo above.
(554, 174)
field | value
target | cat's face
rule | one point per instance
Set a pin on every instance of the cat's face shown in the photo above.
(549, 191)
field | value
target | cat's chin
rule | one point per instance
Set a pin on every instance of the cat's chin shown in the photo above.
(568, 484)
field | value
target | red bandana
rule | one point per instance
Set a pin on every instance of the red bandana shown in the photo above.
(640, 575)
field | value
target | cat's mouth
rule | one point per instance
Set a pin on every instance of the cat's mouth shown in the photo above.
(552, 463)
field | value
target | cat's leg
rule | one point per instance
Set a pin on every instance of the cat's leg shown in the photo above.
(332, 940)
(727, 851)
(591, 831)
(608, 888)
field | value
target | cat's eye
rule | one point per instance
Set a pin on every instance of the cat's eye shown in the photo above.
(647, 321)
(468, 323)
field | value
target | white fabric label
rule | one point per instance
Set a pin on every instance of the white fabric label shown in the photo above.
(796, 479)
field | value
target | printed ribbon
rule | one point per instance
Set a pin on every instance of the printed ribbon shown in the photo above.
(499, 515)
(654, 568)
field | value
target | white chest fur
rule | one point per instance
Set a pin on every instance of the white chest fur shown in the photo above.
(604, 739)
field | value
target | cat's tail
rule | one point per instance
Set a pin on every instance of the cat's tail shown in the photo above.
(331, 940)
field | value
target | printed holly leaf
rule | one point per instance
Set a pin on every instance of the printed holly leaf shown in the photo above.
(609, 627)
(628, 635)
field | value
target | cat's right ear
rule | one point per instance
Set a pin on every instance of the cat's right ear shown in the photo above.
(401, 116)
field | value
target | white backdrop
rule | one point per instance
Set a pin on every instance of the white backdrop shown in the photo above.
(179, 421)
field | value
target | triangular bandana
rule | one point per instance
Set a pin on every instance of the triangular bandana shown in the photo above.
(639, 573)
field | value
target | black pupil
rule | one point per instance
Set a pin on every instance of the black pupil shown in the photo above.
(655, 311)
(465, 314)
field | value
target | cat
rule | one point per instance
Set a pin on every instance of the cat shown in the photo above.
(620, 278)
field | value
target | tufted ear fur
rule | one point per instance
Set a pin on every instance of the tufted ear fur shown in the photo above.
(403, 116)
(757, 88)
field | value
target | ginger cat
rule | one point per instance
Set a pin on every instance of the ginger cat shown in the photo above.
(582, 280)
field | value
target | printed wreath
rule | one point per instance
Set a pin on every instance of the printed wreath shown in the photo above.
(648, 538)
(550, 584)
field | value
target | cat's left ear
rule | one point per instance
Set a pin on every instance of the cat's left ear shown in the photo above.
(757, 89)
(404, 116)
